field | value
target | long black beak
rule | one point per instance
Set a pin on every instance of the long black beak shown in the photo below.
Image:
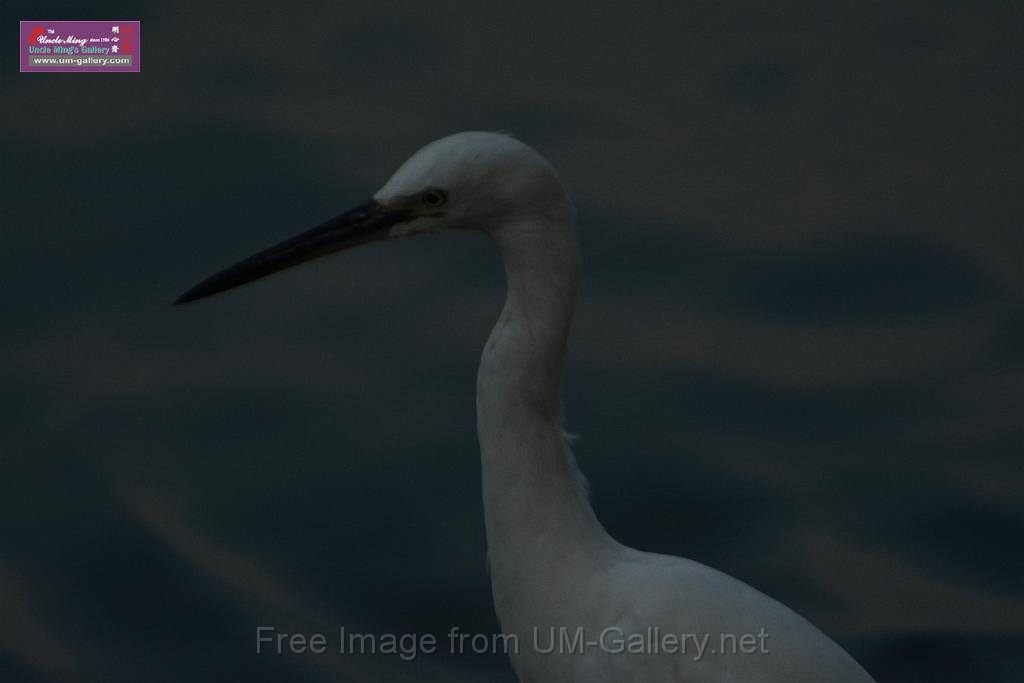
(365, 223)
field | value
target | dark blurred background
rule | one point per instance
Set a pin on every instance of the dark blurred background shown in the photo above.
(799, 356)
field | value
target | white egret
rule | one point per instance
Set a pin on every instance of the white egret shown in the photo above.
(582, 607)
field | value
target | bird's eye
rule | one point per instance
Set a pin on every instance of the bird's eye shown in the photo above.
(434, 198)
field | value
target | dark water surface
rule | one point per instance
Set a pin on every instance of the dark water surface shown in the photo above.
(799, 356)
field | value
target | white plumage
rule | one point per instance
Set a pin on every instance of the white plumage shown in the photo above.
(554, 569)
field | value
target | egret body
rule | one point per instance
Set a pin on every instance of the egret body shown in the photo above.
(554, 570)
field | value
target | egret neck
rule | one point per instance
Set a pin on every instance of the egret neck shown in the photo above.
(538, 518)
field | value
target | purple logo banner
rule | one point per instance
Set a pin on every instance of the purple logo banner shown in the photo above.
(81, 46)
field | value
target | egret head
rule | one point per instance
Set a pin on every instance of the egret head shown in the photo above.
(470, 180)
